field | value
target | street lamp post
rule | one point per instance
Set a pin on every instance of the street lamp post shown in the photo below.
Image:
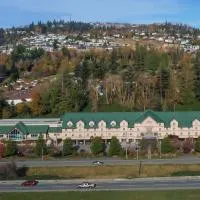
(137, 151)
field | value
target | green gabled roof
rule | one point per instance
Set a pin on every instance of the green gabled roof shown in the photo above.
(37, 129)
(25, 129)
(98, 116)
(21, 127)
(184, 119)
(55, 130)
(5, 129)
(149, 113)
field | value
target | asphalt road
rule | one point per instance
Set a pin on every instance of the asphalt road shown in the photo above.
(105, 186)
(88, 162)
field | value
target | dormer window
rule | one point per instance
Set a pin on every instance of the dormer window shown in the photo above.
(69, 124)
(113, 123)
(91, 124)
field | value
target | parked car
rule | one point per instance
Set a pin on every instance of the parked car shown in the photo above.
(86, 185)
(30, 183)
(98, 163)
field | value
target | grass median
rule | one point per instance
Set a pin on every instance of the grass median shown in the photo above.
(116, 195)
(102, 172)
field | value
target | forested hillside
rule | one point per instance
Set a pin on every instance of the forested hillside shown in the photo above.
(99, 80)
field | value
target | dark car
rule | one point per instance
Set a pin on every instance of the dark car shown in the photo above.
(98, 163)
(30, 183)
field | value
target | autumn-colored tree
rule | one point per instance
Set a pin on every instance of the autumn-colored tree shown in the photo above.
(2, 150)
(36, 105)
(20, 108)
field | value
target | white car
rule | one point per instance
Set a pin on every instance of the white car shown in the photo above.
(97, 163)
(86, 185)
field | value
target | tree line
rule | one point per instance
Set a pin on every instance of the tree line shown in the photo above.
(98, 147)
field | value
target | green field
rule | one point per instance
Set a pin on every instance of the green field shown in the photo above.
(115, 195)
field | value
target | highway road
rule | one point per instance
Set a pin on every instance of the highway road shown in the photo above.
(88, 162)
(143, 184)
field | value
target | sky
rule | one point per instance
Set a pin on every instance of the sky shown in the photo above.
(23, 12)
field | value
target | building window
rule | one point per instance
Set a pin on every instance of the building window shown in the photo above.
(196, 134)
(34, 135)
(1, 136)
(91, 124)
(113, 123)
(69, 124)
(15, 135)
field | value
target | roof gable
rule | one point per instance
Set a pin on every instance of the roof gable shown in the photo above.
(148, 114)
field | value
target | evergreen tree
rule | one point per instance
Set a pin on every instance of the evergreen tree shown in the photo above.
(67, 147)
(197, 75)
(97, 146)
(115, 147)
(186, 76)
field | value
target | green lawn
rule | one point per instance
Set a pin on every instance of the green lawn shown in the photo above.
(115, 195)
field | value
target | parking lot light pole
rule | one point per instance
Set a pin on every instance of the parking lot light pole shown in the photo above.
(42, 154)
(160, 149)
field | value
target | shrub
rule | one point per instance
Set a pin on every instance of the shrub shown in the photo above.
(10, 171)
(197, 145)
(11, 148)
(2, 150)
